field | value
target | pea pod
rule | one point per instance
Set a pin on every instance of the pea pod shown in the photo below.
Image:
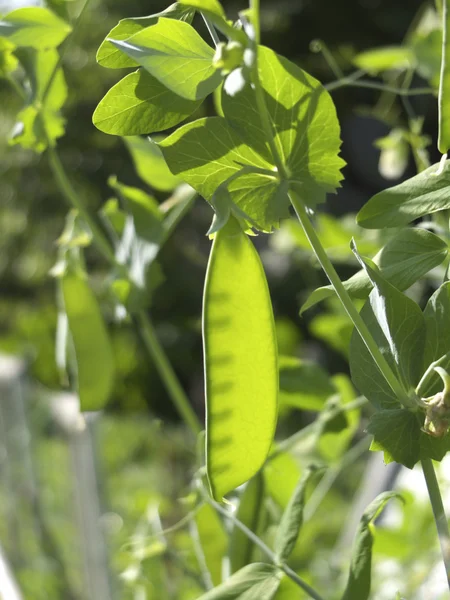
(241, 363)
(93, 352)
(444, 85)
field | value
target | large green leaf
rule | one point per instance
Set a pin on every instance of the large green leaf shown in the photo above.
(424, 194)
(252, 513)
(213, 540)
(110, 56)
(258, 581)
(292, 519)
(437, 323)
(398, 433)
(139, 104)
(303, 384)
(174, 53)
(307, 135)
(404, 260)
(397, 325)
(40, 121)
(359, 580)
(150, 164)
(241, 367)
(93, 351)
(35, 27)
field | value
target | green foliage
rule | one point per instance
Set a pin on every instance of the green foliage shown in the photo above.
(150, 164)
(34, 27)
(358, 585)
(444, 84)
(303, 384)
(92, 347)
(384, 59)
(241, 378)
(258, 581)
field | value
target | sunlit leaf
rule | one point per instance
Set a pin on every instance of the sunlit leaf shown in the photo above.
(424, 194)
(303, 384)
(258, 581)
(174, 53)
(437, 341)
(212, 6)
(281, 475)
(241, 367)
(150, 164)
(213, 540)
(35, 27)
(110, 56)
(140, 104)
(378, 60)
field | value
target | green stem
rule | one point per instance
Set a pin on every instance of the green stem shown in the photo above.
(438, 512)
(211, 29)
(151, 342)
(166, 372)
(264, 548)
(346, 301)
(371, 85)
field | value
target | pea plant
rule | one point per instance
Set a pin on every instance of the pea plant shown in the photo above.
(271, 152)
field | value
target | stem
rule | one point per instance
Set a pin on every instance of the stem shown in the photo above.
(211, 30)
(438, 512)
(349, 82)
(430, 371)
(151, 342)
(346, 301)
(166, 372)
(264, 548)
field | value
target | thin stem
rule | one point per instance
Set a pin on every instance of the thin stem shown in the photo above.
(166, 372)
(430, 371)
(346, 301)
(264, 548)
(438, 512)
(212, 30)
(320, 46)
(349, 82)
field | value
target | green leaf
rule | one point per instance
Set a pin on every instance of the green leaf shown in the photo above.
(241, 367)
(258, 581)
(398, 433)
(281, 475)
(34, 27)
(150, 164)
(301, 111)
(213, 540)
(397, 325)
(93, 351)
(303, 384)
(140, 104)
(111, 57)
(444, 84)
(405, 259)
(40, 120)
(174, 53)
(437, 339)
(378, 60)
(211, 6)
(252, 513)
(8, 62)
(424, 194)
(359, 580)
(292, 519)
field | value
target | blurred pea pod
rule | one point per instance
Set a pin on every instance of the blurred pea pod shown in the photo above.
(444, 84)
(241, 366)
(93, 351)
(252, 513)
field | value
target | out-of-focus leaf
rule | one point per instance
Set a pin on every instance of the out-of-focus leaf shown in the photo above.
(378, 60)
(8, 62)
(140, 104)
(213, 540)
(211, 6)
(281, 475)
(110, 56)
(251, 512)
(35, 27)
(150, 164)
(303, 384)
(175, 54)
(258, 581)
(359, 580)
(93, 351)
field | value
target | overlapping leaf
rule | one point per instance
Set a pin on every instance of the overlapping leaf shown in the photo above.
(34, 27)
(258, 581)
(307, 136)
(150, 164)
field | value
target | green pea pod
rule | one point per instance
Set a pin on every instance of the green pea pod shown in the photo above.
(444, 85)
(93, 352)
(241, 363)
